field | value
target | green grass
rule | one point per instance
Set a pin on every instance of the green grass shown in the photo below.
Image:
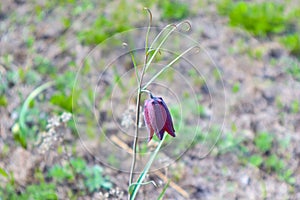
(92, 176)
(106, 26)
(236, 87)
(173, 10)
(263, 141)
(295, 106)
(33, 191)
(266, 157)
(293, 68)
(292, 42)
(102, 29)
(3, 101)
(231, 142)
(262, 153)
(260, 19)
(265, 19)
(44, 66)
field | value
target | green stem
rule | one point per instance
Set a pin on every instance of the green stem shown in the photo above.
(135, 137)
(146, 169)
(148, 30)
(138, 101)
(135, 67)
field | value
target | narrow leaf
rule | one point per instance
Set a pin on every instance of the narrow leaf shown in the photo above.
(132, 186)
(146, 169)
(4, 173)
(163, 191)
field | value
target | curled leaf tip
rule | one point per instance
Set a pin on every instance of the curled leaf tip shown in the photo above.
(186, 22)
(198, 49)
(174, 25)
(150, 14)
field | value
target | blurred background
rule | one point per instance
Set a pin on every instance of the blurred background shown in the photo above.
(67, 111)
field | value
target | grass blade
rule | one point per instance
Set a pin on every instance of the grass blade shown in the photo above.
(163, 191)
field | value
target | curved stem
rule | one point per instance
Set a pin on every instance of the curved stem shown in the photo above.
(165, 38)
(166, 67)
(147, 91)
(22, 124)
(159, 46)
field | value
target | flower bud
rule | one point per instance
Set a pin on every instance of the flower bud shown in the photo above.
(158, 118)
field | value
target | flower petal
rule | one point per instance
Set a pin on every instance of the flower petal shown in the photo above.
(159, 116)
(160, 134)
(169, 122)
(148, 119)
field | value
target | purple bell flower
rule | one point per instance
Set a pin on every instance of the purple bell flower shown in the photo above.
(158, 118)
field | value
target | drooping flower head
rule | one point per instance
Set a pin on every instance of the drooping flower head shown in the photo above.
(158, 118)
